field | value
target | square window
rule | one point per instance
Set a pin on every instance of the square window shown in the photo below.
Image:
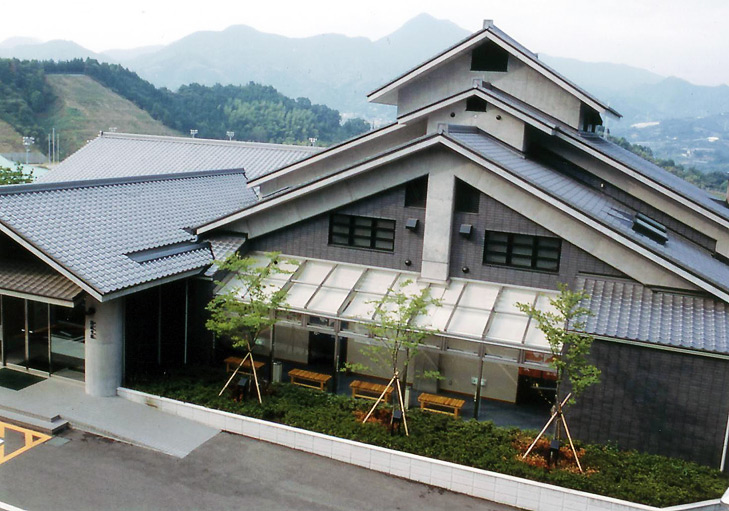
(522, 251)
(362, 232)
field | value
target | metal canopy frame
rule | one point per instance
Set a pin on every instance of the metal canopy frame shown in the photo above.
(477, 311)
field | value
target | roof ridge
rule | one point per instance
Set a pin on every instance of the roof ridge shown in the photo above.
(94, 183)
(205, 141)
(516, 47)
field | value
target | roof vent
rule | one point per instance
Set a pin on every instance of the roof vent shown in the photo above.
(488, 23)
(646, 226)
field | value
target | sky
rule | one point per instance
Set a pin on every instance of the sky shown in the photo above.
(669, 37)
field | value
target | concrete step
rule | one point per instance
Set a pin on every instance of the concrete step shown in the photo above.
(103, 432)
(49, 425)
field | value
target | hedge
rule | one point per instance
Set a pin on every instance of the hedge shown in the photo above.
(629, 475)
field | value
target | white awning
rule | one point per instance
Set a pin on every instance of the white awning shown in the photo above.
(470, 309)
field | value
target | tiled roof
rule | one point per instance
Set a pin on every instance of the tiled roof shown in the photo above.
(90, 227)
(114, 155)
(656, 174)
(36, 280)
(223, 245)
(594, 204)
(610, 149)
(628, 310)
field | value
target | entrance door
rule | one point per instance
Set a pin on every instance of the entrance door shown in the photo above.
(67, 341)
(13, 311)
(38, 336)
(321, 350)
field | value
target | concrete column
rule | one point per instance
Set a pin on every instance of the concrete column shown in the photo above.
(104, 347)
(438, 225)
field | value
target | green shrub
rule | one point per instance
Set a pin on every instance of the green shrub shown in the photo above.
(645, 478)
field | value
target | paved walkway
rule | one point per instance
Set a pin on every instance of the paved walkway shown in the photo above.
(112, 417)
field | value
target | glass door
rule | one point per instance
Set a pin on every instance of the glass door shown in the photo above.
(13, 310)
(67, 341)
(38, 336)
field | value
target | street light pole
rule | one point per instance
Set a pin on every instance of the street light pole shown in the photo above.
(27, 142)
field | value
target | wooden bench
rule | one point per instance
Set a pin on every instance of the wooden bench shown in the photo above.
(232, 363)
(367, 390)
(434, 403)
(309, 378)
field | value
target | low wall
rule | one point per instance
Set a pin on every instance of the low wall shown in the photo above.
(492, 486)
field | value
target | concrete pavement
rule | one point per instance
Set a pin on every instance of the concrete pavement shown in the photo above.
(79, 471)
(112, 417)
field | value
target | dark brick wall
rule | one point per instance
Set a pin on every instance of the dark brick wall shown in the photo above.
(495, 216)
(310, 238)
(655, 401)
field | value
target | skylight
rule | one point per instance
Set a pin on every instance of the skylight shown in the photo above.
(471, 310)
(646, 226)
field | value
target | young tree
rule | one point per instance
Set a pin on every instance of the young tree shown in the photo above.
(398, 333)
(15, 176)
(248, 307)
(569, 348)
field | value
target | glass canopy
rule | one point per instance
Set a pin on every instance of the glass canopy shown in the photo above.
(469, 309)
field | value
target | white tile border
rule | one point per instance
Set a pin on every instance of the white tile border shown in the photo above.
(504, 489)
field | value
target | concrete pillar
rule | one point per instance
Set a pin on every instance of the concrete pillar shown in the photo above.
(104, 347)
(438, 224)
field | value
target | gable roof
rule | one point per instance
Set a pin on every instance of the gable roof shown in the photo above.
(618, 157)
(113, 234)
(113, 155)
(587, 205)
(496, 35)
(327, 152)
(691, 259)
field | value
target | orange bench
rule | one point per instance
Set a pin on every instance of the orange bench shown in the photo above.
(309, 378)
(367, 390)
(231, 364)
(435, 403)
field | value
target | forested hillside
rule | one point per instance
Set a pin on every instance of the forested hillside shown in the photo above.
(715, 181)
(254, 112)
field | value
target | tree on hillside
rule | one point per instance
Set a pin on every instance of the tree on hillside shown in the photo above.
(570, 350)
(397, 335)
(248, 307)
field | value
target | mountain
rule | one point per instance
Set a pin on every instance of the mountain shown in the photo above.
(79, 98)
(51, 50)
(602, 78)
(339, 71)
(12, 42)
(84, 107)
(331, 69)
(117, 55)
(10, 140)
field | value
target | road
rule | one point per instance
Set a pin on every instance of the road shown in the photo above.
(79, 471)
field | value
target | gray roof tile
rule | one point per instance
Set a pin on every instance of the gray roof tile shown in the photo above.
(37, 280)
(595, 204)
(628, 310)
(89, 227)
(223, 245)
(114, 155)
(610, 149)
